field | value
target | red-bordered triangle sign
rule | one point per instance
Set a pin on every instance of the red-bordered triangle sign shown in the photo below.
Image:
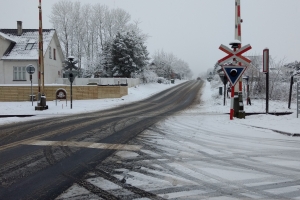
(233, 72)
(235, 54)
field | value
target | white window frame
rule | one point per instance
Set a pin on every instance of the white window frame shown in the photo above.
(29, 46)
(54, 54)
(19, 73)
(50, 53)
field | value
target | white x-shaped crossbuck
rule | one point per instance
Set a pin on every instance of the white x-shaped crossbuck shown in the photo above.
(235, 54)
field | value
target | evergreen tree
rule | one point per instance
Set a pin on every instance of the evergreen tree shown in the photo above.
(106, 59)
(129, 54)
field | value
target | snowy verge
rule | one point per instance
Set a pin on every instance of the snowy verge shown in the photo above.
(137, 93)
(211, 103)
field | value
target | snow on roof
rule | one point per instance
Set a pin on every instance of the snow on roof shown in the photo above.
(7, 37)
(20, 51)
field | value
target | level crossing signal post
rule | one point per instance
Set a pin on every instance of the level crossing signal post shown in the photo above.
(234, 73)
(71, 74)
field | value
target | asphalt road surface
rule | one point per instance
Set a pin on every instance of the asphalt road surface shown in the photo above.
(41, 159)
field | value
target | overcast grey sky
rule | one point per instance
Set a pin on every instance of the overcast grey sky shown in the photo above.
(192, 30)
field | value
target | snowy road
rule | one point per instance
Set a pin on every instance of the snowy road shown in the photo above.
(197, 153)
(200, 155)
(181, 160)
(40, 159)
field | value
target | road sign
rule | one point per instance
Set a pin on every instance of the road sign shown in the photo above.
(71, 75)
(223, 78)
(235, 54)
(266, 60)
(30, 69)
(233, 72)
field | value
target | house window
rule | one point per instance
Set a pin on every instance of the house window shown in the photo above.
(50, 53)
(54, 54)
(19, 73)
(29, 46)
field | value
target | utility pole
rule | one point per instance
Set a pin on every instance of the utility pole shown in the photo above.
(41, 74)
(41, 57)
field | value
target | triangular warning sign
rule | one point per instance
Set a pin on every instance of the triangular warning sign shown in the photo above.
(233, 72)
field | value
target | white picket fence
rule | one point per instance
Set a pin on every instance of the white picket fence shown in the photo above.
(100, 81)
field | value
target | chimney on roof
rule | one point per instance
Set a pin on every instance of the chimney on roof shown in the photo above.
(19, 26)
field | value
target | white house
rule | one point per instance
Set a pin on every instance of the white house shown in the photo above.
(19, 48)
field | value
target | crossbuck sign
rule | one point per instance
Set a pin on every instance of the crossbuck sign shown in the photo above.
(235, 54)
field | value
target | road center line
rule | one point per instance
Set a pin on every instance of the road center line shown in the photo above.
(84, 144)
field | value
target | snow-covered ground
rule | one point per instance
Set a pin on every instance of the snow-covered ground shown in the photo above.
(210, 103)
(200, 154)
(78, 106)
(197, 153)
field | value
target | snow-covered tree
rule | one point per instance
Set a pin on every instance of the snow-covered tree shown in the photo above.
(84, 29)
(106, 59)
(129, 54)
(293, 67)
(167, 65)
(61, 19)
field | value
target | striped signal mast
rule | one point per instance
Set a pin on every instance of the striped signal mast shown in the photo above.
(238, 21)
(236, 69)
(238, 36)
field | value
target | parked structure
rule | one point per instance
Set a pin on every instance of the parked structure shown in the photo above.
(19, 47)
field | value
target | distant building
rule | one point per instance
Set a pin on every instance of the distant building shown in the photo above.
(19, 47)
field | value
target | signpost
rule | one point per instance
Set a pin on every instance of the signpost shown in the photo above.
(233, 74)
(71, 74)
(30, 70)
(224, 79)
(234, 71)
(266, 71)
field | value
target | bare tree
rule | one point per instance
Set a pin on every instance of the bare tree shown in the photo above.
(99, 18)
(278, 78)
(167, 64)
(77, 32)
(61, 20)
